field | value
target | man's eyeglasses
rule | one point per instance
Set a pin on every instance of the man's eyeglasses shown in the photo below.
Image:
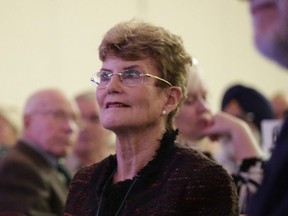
(93, 119)
(129, 77)
(59, 115)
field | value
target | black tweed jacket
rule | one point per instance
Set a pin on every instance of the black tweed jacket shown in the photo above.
(178, 181)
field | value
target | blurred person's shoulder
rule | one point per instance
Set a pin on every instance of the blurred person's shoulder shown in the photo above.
(196, 162)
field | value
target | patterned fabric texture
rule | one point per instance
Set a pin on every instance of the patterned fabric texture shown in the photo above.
(177, 181)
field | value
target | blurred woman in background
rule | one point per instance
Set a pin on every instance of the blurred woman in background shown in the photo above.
(214, 133)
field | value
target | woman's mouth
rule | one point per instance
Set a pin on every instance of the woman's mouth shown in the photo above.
(115, 105)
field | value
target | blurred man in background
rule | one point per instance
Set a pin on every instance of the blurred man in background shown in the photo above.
(10, 127)
(280, 105)
(33, 182)
(94, 142)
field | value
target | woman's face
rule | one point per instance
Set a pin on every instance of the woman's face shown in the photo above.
(136, 107)
(195, 114)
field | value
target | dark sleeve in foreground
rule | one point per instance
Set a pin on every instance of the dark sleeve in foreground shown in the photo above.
(272, 196)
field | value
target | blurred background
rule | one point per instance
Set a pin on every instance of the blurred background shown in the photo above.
(54, 43)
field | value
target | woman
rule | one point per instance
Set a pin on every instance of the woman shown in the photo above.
(236, 147)
(195, 114)
(141, 84)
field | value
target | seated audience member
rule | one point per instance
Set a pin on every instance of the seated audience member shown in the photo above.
(196, 114)
(198, 125)
(94, 142)
(10, 128)
(249, 105)
(32, 181)
(279, 104)
(141, 84)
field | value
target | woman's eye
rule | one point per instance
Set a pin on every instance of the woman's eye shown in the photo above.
(131, 74)
(190, 100)
(105, 75)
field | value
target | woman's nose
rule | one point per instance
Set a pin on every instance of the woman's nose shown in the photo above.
(202, 105)
(115, 83)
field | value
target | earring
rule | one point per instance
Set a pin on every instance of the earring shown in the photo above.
(164, 112)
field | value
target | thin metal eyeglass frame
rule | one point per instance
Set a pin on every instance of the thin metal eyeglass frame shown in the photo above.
(93, 80)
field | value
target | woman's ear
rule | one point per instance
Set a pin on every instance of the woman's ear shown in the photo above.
(174, 95)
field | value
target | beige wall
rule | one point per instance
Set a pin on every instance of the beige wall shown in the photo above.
(54, 42)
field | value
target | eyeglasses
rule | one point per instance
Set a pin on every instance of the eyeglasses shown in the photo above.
(59, 115)
(93, 119)
(129, 77)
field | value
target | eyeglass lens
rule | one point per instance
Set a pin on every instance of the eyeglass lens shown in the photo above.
(130, 77)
